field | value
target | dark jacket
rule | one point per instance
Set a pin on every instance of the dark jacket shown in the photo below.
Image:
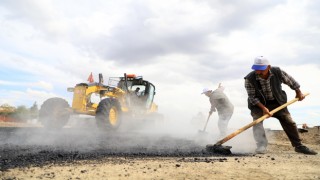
(275, 82)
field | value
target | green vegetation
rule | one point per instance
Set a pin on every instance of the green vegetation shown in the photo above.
(20, 113)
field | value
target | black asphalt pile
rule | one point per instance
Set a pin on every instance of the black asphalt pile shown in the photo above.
(38, 147)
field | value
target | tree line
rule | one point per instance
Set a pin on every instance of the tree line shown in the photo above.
(19, 113)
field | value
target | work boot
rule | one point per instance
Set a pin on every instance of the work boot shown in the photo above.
(261, 150)
(303, 149)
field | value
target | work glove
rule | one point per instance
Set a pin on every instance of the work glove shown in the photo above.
(211, 111)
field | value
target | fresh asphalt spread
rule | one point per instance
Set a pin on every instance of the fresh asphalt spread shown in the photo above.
(23, 147)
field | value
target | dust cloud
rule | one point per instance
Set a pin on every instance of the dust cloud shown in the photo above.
(172, 136)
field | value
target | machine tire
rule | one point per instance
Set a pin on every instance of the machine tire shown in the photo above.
(108, 114)
(54, 113)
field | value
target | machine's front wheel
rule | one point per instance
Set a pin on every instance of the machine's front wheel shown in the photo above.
(54, 113)
(108, 114)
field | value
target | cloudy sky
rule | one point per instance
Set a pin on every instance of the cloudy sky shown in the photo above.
(181, 46)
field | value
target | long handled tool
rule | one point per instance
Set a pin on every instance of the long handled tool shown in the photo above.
(205, 126)
(218, 148)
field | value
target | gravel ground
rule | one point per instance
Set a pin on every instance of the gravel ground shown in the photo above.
(80, 153)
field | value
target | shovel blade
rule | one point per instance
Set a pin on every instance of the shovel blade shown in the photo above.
(219, 149)
(202, 132)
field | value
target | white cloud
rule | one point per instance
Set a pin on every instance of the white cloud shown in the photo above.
(25, 97)
(43, 85)
(180, 46)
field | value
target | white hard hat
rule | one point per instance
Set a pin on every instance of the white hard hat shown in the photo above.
(205, 90)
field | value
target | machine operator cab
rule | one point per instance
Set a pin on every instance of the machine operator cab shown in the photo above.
(140, 92)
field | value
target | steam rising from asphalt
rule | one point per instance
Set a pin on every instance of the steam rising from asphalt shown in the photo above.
(170, 138)
(173, 136)
(84, 136)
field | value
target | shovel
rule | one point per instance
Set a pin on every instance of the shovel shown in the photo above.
(218, 148)
(205, 126)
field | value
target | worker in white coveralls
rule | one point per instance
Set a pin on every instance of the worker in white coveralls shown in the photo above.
(221, 103)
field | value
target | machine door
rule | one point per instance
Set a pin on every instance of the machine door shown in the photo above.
(142, 95)
(150, 95)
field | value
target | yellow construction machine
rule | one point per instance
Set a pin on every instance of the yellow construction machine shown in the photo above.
(127, 97)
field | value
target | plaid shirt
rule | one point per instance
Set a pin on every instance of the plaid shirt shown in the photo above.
(266, 86)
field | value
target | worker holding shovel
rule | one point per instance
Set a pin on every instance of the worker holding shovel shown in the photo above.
(220, 102)
(264, 90)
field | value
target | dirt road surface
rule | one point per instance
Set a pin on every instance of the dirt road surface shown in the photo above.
(36, 153)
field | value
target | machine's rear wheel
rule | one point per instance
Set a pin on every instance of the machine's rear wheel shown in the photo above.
(54, 113)
(108, 114)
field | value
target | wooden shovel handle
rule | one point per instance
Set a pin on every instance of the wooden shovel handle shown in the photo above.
(230, 136)
(205, 126)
